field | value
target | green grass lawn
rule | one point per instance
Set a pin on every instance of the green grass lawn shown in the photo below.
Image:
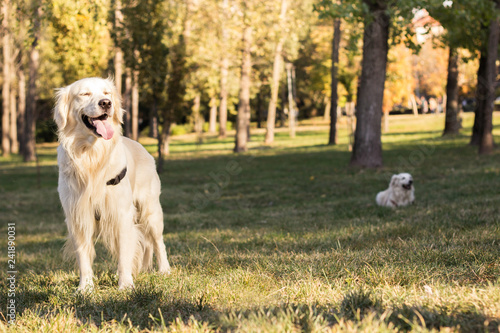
(291, 240)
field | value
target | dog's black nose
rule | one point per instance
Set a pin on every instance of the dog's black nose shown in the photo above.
(105, 104)
(410, 182)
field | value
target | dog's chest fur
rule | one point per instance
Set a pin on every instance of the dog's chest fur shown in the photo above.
(89, 190)
(401, 197)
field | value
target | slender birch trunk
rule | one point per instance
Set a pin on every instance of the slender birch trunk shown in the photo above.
(243, 120)
(212, 120)
(21, 111)
(271, 112)
(224, 72)
(7, 53)
(135, 105)
(452, 122)
(332, 140)
(32, 94)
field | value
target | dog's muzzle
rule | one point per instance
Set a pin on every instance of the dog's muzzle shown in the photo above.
(89, 121)
(407, 186)
(100, 126)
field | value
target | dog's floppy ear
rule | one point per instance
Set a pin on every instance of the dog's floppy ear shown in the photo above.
(61, 108)
(119, 114)
(394, 180)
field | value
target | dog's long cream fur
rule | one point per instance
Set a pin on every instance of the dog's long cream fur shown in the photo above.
(128, 216)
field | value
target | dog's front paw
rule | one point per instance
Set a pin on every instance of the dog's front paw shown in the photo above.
(125, 283)
(165, 269)
(85, 287)
(126, 287)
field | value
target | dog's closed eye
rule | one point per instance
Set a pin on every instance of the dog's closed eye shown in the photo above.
(86, 94)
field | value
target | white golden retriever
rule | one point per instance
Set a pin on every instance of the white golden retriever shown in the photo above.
(108, 185)
(400, 192)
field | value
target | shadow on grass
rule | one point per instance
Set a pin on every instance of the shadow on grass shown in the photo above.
(300, 211)
(149, 307)
(357, 304)
(145, 306)
(360, 305)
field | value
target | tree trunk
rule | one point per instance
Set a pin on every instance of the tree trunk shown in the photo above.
(224, 70)
(328, 108)
(271, 112)
(175, 93)
(163, 143)
(7, 54)
(154, 113)
(283, 108)
(367, 150)
(258, 109)
(153, 124)
(165, 138)
(127, 102)
(452, 122)
(14, 143)
(176, 84)
(212, 121)
(243, 119)
(223, 97)
(135, 105)
(159, 166)
(481, 93)
(118, 50)
(197, 118)
(334, 70)
(32, 95)
(487, 144)
(414, 105)
(21, 111)
(118, 70)
(350, 111)
(291, 102)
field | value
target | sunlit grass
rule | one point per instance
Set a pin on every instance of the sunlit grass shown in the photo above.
(292, 242)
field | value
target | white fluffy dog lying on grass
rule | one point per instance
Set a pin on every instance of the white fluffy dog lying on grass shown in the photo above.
(400, 192)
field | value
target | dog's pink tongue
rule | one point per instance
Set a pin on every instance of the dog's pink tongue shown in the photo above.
(104, 128)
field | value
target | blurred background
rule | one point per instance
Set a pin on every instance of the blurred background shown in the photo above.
(184, 66)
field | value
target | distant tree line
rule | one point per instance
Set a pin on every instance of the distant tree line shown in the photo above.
(223, 61)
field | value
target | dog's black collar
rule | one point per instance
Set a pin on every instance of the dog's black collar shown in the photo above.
(118, 178)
